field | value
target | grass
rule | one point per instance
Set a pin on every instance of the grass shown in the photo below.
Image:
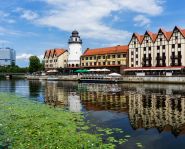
(27, 124)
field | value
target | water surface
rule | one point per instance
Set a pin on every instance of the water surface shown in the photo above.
(153, 114)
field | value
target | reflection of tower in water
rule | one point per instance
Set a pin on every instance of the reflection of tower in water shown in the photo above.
(157, 111)
(74, 102)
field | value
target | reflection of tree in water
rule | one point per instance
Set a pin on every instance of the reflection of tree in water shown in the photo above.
(34, 88)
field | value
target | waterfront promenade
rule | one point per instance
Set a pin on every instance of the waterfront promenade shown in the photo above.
(133, 79)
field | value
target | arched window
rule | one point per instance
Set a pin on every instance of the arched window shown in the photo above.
(72, 65)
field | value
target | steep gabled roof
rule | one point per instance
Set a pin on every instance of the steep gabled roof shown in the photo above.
(52, 52)
(107, 50)
(152, 35)
(182, 31)
(138, 37)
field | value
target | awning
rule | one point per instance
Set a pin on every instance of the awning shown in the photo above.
(114, 75)
(81, 71)
(52, 70)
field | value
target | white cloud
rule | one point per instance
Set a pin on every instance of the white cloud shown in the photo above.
(23, 56)
(4, 42)
(141, 20)
(87, 16)
(26, 56)
(5, 17)
(27, 14)
(5, 31)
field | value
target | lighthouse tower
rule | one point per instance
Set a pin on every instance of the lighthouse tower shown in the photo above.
(75, 50)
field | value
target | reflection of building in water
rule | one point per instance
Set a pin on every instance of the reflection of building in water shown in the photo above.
(74, 102)
(157, 111)
(55, 95)
(103, 97)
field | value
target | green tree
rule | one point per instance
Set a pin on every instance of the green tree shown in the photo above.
(34, 64)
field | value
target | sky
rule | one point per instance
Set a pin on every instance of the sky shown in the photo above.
(33, 26)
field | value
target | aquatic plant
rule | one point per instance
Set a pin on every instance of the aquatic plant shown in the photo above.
(27, 124)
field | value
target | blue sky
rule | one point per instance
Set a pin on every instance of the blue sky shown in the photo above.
(33, 26)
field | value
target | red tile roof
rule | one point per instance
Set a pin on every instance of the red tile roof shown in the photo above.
(108, 50)
(52, 52)
(154, 35)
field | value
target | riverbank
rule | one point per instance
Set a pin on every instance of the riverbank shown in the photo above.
(123, 79)
(28, 124)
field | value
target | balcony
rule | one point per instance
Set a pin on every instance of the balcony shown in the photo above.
(147, 58)
(176, 56)
(160, 57)
(175, 64)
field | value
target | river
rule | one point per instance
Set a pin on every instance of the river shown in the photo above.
(153, 114)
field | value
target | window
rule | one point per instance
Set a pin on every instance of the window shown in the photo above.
(113, 56)
(108, 63)
(119, 62)
(132, 59)
(82, 58)
(134, 42)
(136, 55)
(136, 49)
(132, 53)
(94, 63)
(149, 48)
(86, 58)
(176, 37)
(94, 57)
(108, 56)
(76, 65)
(82, 64)
(124, 55)
(90, 58)
(118, 56)
(113, 62)
(99, 63)
(173, 46)
(104, 63)
(136, 62)
(163, 46)
(161, 39)
(179, 45)
(146, 41)
(86, 64)
(132, 65)
(90, 63)
(158, 47)
(103, 57)
(99, 57)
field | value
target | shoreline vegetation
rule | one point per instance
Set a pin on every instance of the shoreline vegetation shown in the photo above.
(27, 124)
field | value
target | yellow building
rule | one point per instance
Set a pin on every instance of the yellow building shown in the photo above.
(55, 58)
(113, 58)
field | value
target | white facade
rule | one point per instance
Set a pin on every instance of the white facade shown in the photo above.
(56, 58)
(164, 49)
(75, 50)
(7, 56)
